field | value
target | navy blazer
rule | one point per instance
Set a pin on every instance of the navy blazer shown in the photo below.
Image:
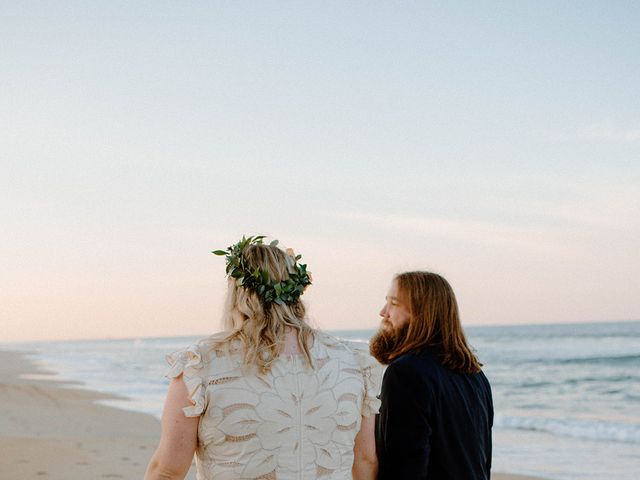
(434, 423)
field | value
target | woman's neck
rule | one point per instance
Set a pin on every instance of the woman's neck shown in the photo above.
(291, 345)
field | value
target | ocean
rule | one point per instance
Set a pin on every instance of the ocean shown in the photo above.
(567, 397)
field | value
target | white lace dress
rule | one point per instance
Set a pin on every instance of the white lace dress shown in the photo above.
(293, 423)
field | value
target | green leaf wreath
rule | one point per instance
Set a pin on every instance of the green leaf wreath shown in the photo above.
(259, 281)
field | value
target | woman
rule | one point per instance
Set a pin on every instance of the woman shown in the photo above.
(269, 398)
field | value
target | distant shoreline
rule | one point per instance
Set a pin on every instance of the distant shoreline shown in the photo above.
(7, 345)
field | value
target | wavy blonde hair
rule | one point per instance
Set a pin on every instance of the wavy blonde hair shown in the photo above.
(261, 327)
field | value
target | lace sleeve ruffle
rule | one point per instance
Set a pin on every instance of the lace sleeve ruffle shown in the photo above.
(372, 374)
(188, 363)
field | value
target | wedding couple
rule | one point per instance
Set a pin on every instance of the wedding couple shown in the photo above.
(273, 399)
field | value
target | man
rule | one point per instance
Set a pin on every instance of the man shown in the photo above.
(436, 414)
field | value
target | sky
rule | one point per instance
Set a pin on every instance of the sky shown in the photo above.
(496, 143)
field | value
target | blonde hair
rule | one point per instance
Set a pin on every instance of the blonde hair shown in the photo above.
(260, 326)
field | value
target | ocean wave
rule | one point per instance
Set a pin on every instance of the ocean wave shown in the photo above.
(609, 360)
(603, 378)
(612, 380)
(575, 428)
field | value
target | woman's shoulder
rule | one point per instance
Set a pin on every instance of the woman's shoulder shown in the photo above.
(357, 349)
(202, 351)
(340, 342)
(355, 354)
(332, 342)
(218, 341)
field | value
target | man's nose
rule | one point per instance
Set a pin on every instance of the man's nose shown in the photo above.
(383, 312)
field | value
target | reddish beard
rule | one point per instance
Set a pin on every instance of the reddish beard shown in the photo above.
(386, 343)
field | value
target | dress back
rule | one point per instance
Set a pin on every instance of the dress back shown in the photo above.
(295, 422)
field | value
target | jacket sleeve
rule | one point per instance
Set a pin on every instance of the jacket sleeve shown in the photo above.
(403, 430)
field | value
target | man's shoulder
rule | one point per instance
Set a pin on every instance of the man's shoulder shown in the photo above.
(417, 357)
(411, 374)
(414, 363)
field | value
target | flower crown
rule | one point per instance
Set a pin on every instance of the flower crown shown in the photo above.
(258, 280)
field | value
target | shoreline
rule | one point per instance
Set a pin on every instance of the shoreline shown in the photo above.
(51, 430)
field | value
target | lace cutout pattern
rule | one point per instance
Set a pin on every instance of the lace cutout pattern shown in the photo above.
(294, 418)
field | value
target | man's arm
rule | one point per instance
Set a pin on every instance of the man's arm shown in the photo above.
(404, 431)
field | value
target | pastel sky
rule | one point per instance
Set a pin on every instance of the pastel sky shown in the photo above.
(497, 143)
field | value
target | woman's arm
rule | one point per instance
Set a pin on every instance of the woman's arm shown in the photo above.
(173, 457)
(365, 461)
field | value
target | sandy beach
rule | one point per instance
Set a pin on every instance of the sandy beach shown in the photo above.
(50, 430)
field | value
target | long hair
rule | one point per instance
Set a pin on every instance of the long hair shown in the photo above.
(259, 326)
(435, 321)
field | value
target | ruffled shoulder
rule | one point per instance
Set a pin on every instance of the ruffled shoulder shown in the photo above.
(372, 372)
(220, 344)
(189, 363)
